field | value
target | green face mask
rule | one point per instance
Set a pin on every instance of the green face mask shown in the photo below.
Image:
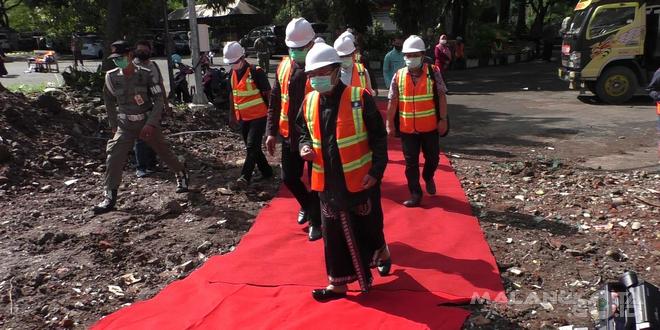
(347, 62)
(121, 62)
(298, 55)
(322, 84)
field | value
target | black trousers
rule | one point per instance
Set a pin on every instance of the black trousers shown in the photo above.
(293, 167)
(353, 239)
(429, 145)
(253, 133)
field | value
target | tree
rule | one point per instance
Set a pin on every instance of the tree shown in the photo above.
(540, 8)
(5, 7)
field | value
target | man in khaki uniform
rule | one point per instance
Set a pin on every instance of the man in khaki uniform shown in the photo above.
(134, 104)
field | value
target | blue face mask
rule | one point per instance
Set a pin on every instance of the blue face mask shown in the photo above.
(322, 84)
(413, 62)
(298, 55)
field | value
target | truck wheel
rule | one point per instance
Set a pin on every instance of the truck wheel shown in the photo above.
(616, 85)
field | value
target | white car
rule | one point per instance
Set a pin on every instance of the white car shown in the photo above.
(4, 41)
(92, 46)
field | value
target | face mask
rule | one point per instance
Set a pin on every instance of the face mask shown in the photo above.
(298, 55)
(443, 41)
(121, 62)
(398, 48)
(413, 62)
(346, 63)
(237, 66)
(322, 84)
(142, 56)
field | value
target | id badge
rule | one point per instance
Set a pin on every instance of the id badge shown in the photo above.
(138, 99)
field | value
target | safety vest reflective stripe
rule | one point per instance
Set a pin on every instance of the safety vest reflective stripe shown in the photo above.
(359, 78)
(283, 76)
(284, 71)
(248, 103)
(416, 102)
(419, 114)
(352, 139)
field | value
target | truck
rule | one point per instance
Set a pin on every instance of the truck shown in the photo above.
(611, 48)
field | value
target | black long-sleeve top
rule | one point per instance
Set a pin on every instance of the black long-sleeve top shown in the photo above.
(654, 87)
(297, 84)
(335, 191)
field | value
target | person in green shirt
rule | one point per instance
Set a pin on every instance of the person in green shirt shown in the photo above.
(393, 60)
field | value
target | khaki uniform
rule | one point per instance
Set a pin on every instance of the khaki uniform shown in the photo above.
(131, 102)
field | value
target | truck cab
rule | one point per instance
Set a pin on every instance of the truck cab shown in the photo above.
(611, 48)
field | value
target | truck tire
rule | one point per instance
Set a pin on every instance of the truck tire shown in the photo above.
(616, 85)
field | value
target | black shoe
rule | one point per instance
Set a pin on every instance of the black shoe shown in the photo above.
(430, 187)
(182, 181)
(314, 233)
(414, 201)
(326, 295)
(262, 177)
(302, 217)
(108, 203)
(384, 266)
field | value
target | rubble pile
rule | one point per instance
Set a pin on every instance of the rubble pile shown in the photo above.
(559, 232)
(65, 268)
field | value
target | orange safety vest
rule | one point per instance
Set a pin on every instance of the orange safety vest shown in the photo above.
(352, 139)
(460, 50)
(248, 103)
(416, 106)
(359, 78)
(283, 76)
(657, 108)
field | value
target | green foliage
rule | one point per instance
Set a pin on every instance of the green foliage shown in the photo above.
(82, 79)
(481, 40)
(377, 42)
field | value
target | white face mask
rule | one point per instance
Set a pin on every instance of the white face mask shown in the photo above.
(443, 41)
(413, 62)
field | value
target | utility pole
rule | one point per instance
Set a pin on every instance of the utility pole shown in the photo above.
(168, 46)
(199, 98)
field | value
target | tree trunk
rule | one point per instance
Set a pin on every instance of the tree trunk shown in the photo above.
(458, 18)
(521, 25)
(539, 20)
(112, 29)
(503, 12)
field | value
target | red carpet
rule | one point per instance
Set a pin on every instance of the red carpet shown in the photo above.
(438, 251)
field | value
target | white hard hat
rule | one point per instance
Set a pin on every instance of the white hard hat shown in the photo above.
(413, 44)
(319, 56)
(344, 46)
(347, 34)
(299, 33)
(319, 39)
(232, 52)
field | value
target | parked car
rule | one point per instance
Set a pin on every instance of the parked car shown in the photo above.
(92, 46)
(181, 42)
(273, 33)
(4, 41)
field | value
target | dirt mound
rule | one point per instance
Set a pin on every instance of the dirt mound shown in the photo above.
(40, 142)
(61, 266)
